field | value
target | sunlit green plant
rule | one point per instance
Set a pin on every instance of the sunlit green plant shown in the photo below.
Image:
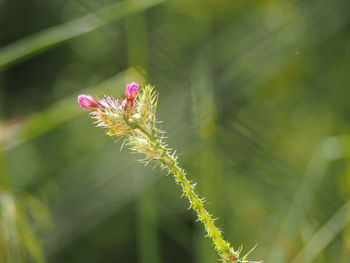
(134, 118)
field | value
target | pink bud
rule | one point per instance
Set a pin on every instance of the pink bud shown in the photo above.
(131, 91)
(88, 102)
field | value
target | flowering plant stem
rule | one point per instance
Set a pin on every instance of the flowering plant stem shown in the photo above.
(134, 118)
(168, 161)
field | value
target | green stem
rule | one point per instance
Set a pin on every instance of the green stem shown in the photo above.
(197, 204)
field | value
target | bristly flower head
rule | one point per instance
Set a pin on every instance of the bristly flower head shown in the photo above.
(88, 102)
(114, 114)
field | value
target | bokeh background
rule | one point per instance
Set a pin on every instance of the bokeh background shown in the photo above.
(254, 96)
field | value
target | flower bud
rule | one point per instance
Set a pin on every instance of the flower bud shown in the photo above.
(131, 91)
(88, 102)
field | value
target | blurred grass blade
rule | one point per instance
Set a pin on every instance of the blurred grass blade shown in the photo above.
(49, 38)
(60, 112)
(147, 235)
(17, 233)
(324, 236)
(305, 195)
(9, 244)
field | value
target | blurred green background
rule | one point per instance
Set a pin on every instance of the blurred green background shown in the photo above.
(253, 94)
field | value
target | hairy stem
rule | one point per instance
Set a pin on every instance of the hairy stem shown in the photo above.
(197, 204)
(169, 162)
